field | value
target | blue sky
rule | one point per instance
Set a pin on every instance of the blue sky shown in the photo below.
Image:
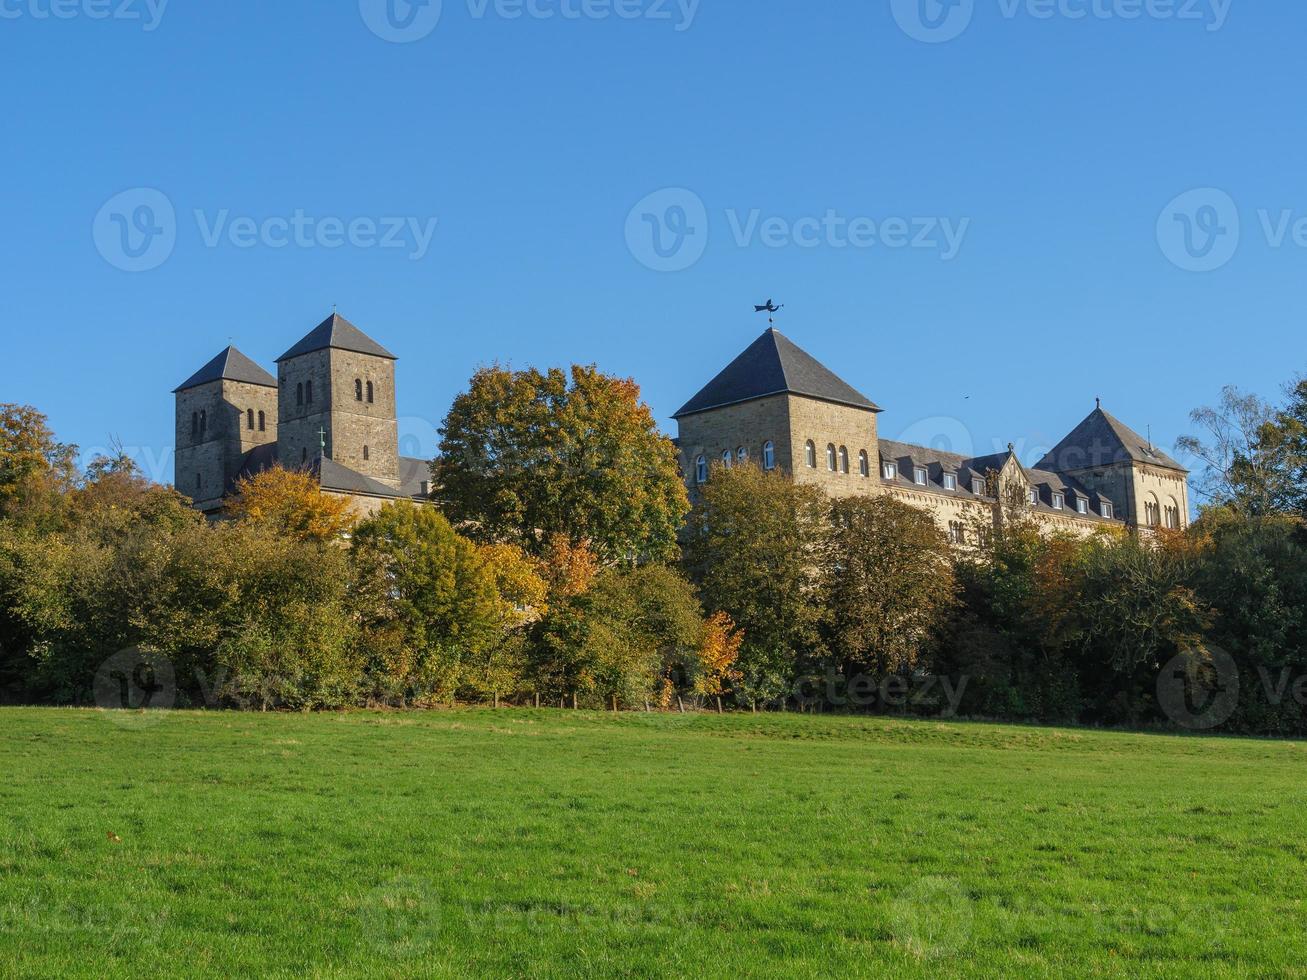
(827, 145)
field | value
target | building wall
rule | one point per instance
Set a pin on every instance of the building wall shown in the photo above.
(356, 423)
(298, 439)
(749, 425)
(207, 462)
(826, 424)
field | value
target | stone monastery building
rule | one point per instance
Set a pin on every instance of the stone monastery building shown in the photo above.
(331, 410)
(779, 407)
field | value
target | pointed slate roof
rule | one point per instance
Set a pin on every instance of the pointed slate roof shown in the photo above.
(230, 365)
(1101, 440)
(772, 365)
(336, 331)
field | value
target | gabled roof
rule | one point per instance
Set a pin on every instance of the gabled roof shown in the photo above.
(1101, 440)
(230, 365)
(335, 331)
(774, 365)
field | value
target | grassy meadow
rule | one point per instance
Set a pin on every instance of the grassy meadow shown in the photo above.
(561, 843)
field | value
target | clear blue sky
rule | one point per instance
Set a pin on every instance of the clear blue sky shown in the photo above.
(1058, 140)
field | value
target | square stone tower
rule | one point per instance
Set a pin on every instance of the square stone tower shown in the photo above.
(337, 401)
(1108, 457)
(777, 406)
(224, 411)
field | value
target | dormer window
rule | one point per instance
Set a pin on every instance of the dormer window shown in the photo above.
(919, 476)
(889, 471)
(978, 486)
(950, 481)
(1034, 496)
(1105, 508)
(1082, 505)
(1059, 501)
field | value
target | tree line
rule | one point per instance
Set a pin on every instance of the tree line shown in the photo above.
(561, 562)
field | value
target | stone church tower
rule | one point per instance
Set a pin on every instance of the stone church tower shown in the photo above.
(224, 411)
(337, 400)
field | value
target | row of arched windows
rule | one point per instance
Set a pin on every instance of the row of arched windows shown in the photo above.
(837, 458)
(729, 459)
(304, 393)
(250, 418)
(359, 390)
(199, 423)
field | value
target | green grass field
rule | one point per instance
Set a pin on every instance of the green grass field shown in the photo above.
(557, 843)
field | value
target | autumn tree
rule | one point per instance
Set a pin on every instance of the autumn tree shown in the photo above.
(526, 455)
(719, 652)
(33, 464)
(755, 544)
(889, 584)
(290, 502)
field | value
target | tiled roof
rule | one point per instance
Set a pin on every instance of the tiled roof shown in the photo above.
(336, 331)
(773, 365)
(1101, 440)
(937, 463)
(230, 365)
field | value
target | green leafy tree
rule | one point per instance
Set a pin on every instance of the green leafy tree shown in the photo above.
(34, 466)
(434, 596)
(890, 585)
(755, 545)
(527, 454)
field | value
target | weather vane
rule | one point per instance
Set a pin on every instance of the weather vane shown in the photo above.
(771, 309)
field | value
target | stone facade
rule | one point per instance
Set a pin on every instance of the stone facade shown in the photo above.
(218, 423)
(1103, 477)
(331, 410)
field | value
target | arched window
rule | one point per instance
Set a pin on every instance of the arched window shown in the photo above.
(308, 392)
(195, 423)
(810, 451)
(199, 482)
(701, 470)
(864, 464)
(1152, 513)
(304, 455)
(844, 460)
(249, 419)
(358, 389)
(726, 458)
(830, 456)
(369, 392)
(769, 455)
(1173, 515)
(366, 454)
(263, 426)
(204, 422)
(299, 393)
(742, 455)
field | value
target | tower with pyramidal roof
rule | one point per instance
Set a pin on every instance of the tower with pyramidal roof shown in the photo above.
(330, 411)
(777, 407)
